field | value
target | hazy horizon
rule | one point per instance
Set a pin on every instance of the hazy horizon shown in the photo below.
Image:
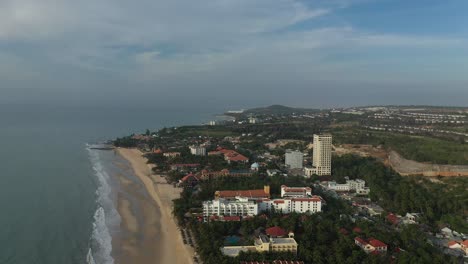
(233, 54)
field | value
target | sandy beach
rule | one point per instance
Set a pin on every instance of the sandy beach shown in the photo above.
(152, 237)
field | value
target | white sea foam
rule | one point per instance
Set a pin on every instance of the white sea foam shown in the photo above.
(105, 217)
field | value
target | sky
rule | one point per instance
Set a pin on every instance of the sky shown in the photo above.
(234, 53)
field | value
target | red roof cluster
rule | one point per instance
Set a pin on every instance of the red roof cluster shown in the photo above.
(276, 231)
(260, 193)
(190, 176)
(230, 155)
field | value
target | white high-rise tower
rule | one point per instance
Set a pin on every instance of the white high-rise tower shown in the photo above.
(322, 154)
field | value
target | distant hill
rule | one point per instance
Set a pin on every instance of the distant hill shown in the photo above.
(279, 110)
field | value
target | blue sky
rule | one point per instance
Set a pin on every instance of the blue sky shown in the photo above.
(317, 53)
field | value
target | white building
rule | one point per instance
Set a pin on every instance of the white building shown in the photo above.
(198, 150)
(339, 187)
(238, 207)
(309, 171)
(294, 159)
(308, 205)
(322, 154)
(242, 206)
(357, 185)
(296, 192)
(254, 120)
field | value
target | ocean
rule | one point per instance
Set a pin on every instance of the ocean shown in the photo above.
(55, 194)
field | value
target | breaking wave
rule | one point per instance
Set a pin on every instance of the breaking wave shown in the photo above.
(105, 217)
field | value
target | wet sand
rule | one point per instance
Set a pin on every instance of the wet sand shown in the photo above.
(149, 233)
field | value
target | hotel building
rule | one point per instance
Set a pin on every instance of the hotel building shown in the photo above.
(321, 160)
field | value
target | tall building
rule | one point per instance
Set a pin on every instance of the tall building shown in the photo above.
(322, 154)
(294, 159)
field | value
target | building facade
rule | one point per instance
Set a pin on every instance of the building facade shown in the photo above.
(295, 192)
(322, 154)
(294, 159)
(198, 150)
(223, 207)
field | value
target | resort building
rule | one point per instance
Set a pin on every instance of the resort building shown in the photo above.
(321, 159)
(264, 243)
(294, 159)
(206, 174)
(223, 207)
(229, 155)
(197, 150)
(243, 206)
(250, 194)
(295, 191)
(371, 245)
(357, 185)
(308, 205)
(189, 181)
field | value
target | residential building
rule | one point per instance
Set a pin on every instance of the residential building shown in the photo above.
(339, 187)
(276, 231)
(357, 185)
(294, 159)
(321, 160)
(189, 181)
(229, 155)
(250, 194)
(371, 245)
(223, 207)
(295, 191)
(198, 150)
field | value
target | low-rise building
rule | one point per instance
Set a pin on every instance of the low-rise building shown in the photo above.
(223, 207)
(189, 181)
(185, 166)
(250, 194)
(371, 245)
(295, 191)
(272, 173)
(264, 244)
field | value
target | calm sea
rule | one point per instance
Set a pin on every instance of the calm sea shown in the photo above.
(52, 189)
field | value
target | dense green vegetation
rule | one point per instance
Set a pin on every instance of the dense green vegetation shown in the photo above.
(418, 148)
(438, 202)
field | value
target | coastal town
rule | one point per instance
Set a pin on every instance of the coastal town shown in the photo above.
(276, 187)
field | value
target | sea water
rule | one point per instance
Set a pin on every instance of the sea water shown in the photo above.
(56, 203)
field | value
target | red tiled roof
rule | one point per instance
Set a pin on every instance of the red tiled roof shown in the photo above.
(231, 218)
(236, 157)
(278, 201)
(376, 243)
(451, 243)
(276, 231)
(260, 193)
(357, 230)
(188, 176)
(360, 240)
(465, 243)
(311, 199)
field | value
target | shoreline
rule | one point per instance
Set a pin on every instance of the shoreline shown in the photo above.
(168, 241)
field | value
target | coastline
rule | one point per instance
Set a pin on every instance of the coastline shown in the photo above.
(167, 239)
